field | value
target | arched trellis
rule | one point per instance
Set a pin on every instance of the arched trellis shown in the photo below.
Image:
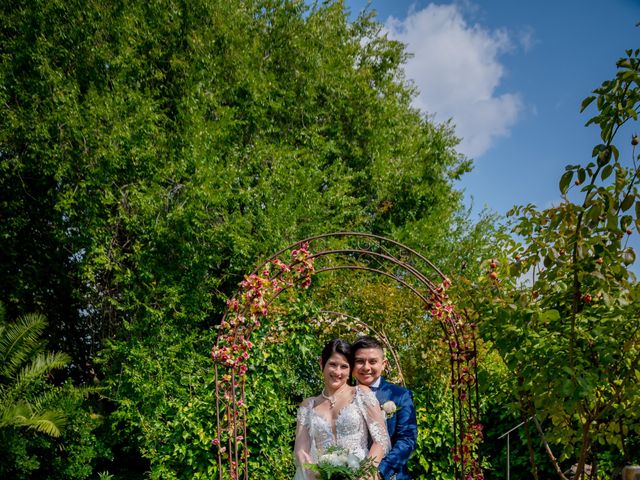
(294, 267)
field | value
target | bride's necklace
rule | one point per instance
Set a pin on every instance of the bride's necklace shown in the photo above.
(331, 398)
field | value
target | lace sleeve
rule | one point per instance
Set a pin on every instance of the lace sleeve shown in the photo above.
(303, 416)
(302, 448)
(375, 418)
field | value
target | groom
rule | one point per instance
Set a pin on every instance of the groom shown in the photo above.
(369, 364)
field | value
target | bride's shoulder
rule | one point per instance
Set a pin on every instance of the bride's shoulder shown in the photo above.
(308, 402)
(364, 390)
(366, 394)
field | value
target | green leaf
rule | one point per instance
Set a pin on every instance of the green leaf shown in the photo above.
(606, 172)
(628, 256)
(593, 214)
(581, 175)
(625, 221)
(597, 149)
(616, 153)
(586, 102)
(565, 180)
(627, 202)
(604, 157)
(550, 315)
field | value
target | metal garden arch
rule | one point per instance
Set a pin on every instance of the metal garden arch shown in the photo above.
(294, 267)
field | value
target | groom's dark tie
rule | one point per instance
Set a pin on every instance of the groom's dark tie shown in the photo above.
(374, 389)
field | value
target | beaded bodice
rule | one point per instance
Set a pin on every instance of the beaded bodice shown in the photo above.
(354, 424)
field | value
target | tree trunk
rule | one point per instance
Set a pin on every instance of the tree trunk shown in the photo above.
(586, 440)
(527, 410)
(548, 450)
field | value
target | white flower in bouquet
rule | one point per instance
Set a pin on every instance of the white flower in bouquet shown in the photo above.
(339, 463)
(333, 459)
(353, 462)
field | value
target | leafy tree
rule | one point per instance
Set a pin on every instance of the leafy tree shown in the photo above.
(561, 306)
(175, 144)
(151, 152)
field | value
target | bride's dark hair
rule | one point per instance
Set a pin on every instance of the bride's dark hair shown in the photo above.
(336, 346)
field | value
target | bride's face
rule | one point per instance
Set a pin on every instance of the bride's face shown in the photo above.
(336, 371)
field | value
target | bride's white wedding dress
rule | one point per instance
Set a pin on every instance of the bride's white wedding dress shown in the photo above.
(357, 422)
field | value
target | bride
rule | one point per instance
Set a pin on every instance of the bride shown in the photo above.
(342, 415)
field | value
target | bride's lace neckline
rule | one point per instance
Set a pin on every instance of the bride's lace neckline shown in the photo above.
(330, 422)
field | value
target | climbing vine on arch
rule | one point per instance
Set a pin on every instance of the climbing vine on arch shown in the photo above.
(294, 268)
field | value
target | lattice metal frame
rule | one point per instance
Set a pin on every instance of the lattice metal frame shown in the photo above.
(294, 267)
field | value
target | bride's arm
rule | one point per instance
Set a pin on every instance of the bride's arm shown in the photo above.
(377, 424)
(302, 448)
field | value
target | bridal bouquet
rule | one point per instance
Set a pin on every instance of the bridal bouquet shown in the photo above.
(337, 463)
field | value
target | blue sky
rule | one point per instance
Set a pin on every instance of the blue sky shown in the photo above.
(511, 75)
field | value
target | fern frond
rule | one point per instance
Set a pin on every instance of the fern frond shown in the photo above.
(25, 401)
(42, 364)
(47, 399)
(22, 414)
(18, 341)
(9, 412)
(50, 423)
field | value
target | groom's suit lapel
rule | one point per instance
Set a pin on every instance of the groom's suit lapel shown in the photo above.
(384, 394)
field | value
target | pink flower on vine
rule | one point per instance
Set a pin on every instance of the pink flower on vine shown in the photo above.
(233, 304)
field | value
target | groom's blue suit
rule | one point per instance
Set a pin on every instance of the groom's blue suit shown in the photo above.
(403, 430)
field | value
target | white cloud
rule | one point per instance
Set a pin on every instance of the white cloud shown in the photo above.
(527, 39)
(456, 69)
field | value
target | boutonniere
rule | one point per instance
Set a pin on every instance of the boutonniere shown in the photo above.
(389, 408)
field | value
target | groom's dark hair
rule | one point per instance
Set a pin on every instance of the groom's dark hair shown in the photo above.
(366, 341)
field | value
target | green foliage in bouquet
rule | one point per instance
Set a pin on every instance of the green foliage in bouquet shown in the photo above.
(338, 463)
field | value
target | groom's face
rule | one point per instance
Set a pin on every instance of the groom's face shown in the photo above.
(368, 365)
